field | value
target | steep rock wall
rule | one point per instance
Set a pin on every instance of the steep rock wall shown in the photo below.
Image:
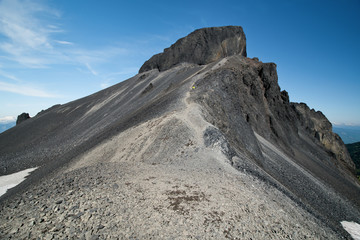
(318, 126)
(249, 90)
(243, 100)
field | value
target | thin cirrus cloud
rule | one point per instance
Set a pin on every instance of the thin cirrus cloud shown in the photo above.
(64, 42)
(26, 39)
(8, 76)
(91, 69)
(21, 88)
(30, 41)
(29, 38)
(26, 90)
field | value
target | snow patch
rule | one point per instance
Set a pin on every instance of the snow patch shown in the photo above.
(352, 228)
(11, 180)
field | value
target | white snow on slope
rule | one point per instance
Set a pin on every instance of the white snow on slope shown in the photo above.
(11, 180)
(352, 228)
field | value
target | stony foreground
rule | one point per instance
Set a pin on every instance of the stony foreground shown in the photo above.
(112, 201)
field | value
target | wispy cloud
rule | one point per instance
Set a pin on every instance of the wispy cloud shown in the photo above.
(90, 58)
(64, 42)
(31, 41)
(26, 38)
(7, 119)
(348, 124)
(9, 76)
(26, 90)
(29, 38)
(91, 69)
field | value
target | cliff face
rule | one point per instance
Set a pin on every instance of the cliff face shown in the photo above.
(249, 90)
(243, 99)
(317, 125)
(202, 46)
(201, 143)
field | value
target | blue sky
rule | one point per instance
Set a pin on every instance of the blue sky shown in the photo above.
(57, 51)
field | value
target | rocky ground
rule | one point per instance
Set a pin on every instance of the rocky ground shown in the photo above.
(194, 194)
(130, 201)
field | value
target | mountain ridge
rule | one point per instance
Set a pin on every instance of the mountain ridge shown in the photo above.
(186, 143)
(349, 134)
(354, 151)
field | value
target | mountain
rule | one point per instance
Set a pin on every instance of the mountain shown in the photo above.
(5, 126)
(9, 122)
(354, 150)
(202, 143)
(349, 134)
(6, 123)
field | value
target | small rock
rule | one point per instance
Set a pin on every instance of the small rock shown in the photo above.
(13, 231)
(70, 192)
(48, 237)
(90, 236)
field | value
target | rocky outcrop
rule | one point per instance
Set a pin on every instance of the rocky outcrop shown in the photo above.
(201, 47)
(320, 128)
(242, 98)
(22, 117)
(248, 91)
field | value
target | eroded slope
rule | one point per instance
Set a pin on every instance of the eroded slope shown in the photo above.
(167, 177)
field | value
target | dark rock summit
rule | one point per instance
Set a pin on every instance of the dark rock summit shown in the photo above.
(201, 47)
(22, 117)
(213, 149)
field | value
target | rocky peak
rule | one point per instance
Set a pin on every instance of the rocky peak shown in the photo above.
(201, 47)
(22, 117)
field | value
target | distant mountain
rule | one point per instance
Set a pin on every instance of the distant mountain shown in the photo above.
(354, 150)
(349, 134)
(6, 126)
